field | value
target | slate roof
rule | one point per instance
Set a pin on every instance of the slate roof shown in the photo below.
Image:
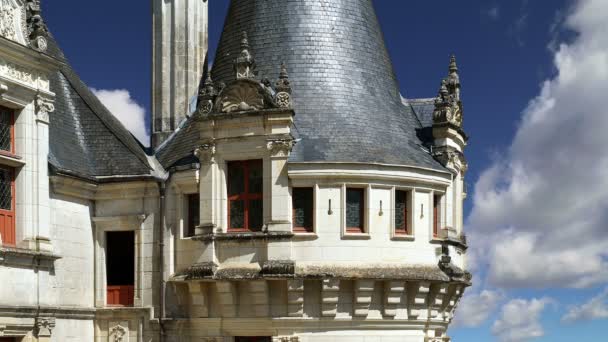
(345, 93)
(423, 108)
(86, 140)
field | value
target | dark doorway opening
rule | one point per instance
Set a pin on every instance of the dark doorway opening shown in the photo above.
(120, 268)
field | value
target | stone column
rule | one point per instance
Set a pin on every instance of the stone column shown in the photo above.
(44, 106)
(277, 192)
(208, 183)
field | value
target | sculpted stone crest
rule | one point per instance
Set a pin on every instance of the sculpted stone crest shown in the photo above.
(118, 333)
(241, 96)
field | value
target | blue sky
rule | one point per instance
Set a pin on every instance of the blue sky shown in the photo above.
(534, 77)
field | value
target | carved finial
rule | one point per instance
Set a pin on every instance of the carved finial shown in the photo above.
(283, 87)
(37, 29)
(244, 64)
(453, 65)
(206, 96)
(448, 107)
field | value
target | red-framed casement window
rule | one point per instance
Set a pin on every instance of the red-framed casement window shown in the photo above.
(355, 210)
(245, 196)
(7, 178)
(436, 215)
(302, 203)
(193, 205)
(402, 213)
(120, 268)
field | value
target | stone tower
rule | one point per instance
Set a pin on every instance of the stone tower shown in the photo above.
(179, 51)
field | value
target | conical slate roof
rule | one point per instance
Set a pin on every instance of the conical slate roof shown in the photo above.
(345, 94)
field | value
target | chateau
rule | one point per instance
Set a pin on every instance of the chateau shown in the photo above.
(290, 192)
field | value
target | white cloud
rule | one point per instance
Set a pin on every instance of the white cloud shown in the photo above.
(596, 308)
(541, 212)
(474, 309)
(519, 320)
(130, 113)
(493, 12)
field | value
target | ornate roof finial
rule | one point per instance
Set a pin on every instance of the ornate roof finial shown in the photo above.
(453, 65)
(206, 96)
(36, 27)
(244, 64)
(448, 107)
(283, 87)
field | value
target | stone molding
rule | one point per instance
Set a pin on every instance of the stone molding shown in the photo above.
(21, 257)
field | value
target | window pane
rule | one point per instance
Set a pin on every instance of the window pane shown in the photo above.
(302, 208)
(6, 190)
(6, 121)
(401, 211)
(236, 180)
(193, 213)
(354, 208)
(255, 176)
(237, 214)
(255, 215)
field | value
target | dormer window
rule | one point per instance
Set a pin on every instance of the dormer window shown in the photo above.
(245, 184)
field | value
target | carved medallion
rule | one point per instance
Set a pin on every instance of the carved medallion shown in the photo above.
(119, 332)
(283, 100)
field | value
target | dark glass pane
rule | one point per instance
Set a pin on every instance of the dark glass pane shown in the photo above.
(400, 210)
(302, 208)
(6, 118)
(354, 208)
(193, 213)
(255, 215)
(255, 177)
(236, 180)
(6, 190)
(237, 214)
(120, 258)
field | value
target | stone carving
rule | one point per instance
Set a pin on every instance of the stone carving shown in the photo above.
(244, 65)
(44, 106)
(205, 152)
(286, 339)
(241, 96)
(44, 326)
(206, 96)
(36, 27)
(9, 19)
(17, 73)
(448, 106)
(280, 147)
(451, 159)
(119, 332)
(283, 88)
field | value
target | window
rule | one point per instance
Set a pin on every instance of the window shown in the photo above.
(355, 210)
(193, 205)
(302, 201)
(7, 131)
(120, 268)
(402, 216)
(436, 215)
(7, 205)
(245, 209)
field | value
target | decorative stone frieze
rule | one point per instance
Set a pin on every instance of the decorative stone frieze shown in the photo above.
(206, 152)
(17, 72)
(118, 332)
(280, 147)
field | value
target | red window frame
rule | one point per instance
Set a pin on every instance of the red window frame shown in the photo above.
(436, 214)
(245, 196)
(405, 229)
(193, 202)
(298, 229)
(120, 295)
(361, 229)
(7, 217)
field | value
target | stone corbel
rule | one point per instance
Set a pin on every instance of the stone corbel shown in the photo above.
(295, 298)
(44, 327)
(419, 296)
(364, 289)
(330, 293)
(394, 291)
(44, 106)
(206, 152)
(280, 147)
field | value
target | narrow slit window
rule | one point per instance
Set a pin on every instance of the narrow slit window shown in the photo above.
(302, 201)
(7, 206)
(120, 268)
(193, 214)
(436, 215)
(245, 200)
(402, 223)
(355, 212)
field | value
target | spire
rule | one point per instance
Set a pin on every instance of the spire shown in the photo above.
(453, 67)
(448, 106)
(245, 63)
